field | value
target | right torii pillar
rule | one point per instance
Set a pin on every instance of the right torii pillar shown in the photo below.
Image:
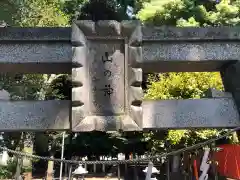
(231, 80)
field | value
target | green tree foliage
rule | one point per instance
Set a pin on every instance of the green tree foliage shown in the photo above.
(71, 8)
(42, 13)
(191, 12)
(100, 10)
(8, 171)
(183, 85)
(33, 13)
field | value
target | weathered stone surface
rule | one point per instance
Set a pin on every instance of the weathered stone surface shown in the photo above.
(130, 48)
(107, 79)
(4, 95)
(35, 34)
(149, 33)
(190, 113)
(214, 93)
(163, 33)
(171, 49)
(187, 56)
(35, 58)
(105, 29)
(106, 95)
(231, 80)
(35, 50)
(155, 49)
(34, 115)
(41, 57)
(106, 123)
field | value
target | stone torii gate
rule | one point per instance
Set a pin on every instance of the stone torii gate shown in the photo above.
(106, 60)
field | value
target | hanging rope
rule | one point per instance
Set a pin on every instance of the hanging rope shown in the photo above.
(147, 159)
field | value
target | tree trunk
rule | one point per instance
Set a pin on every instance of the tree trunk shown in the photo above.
(175, 163)
(27, 163)
(18, 168)
(50, 169)
(19, 159)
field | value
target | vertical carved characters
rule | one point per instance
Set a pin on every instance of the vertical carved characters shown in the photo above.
(106, 93)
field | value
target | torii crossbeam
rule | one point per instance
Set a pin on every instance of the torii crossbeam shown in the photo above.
(106, 60)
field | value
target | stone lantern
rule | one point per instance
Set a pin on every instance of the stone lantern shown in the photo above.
(152, 173)
(80, 172)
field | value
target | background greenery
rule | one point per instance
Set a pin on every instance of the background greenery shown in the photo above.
(182, 13)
